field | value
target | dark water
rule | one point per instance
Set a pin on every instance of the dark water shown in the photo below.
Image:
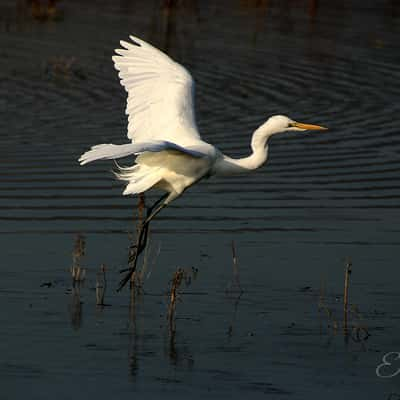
(321, 197)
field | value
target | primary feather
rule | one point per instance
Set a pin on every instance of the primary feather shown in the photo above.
(160, 94)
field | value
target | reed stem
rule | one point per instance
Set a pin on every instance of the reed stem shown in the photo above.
(347, 272)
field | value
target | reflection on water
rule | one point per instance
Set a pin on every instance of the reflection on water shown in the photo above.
(319, 198)
(75, 306)
(44, 10)
(133, 333)
(101, 286)
(234, 291)
(173, 24)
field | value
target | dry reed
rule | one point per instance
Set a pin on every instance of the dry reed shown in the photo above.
(347, 272)
(175, 284)
(77, 272)
(179, 276)
(352, 325)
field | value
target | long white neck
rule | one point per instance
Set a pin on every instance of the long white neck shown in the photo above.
(255, 160)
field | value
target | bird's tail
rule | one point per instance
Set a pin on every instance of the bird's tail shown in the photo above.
(107, 151)
(139, 177)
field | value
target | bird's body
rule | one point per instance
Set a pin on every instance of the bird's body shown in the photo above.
(170, 154)
(169, 170)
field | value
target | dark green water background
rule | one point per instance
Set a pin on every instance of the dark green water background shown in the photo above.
(321, 197)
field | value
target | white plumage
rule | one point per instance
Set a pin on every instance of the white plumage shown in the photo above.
(160, 94)
(170, 154)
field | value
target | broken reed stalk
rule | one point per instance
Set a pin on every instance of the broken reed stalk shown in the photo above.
(101, 285)
(176, 282)
(347, 273)
(78, 273)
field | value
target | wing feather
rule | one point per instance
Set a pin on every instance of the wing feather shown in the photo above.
(160, 101)
(109, 151)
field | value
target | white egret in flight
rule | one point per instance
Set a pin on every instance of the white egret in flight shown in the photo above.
(170, 154)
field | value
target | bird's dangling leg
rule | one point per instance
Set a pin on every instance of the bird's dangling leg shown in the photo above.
(151, 213)
(144, 227)
(140, 219)
(142, 238)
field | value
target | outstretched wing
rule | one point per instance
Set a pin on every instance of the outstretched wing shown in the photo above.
(160, 94)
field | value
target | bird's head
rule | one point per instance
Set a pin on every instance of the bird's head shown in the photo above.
(281, 123)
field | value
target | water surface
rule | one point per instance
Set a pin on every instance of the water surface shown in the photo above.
(321, 198)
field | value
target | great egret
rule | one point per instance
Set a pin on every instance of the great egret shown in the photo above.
(170, 154)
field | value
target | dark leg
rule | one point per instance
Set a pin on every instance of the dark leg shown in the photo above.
(151, 213)
(142, 238)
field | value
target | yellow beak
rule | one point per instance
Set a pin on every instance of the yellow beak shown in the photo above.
(309, 127)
